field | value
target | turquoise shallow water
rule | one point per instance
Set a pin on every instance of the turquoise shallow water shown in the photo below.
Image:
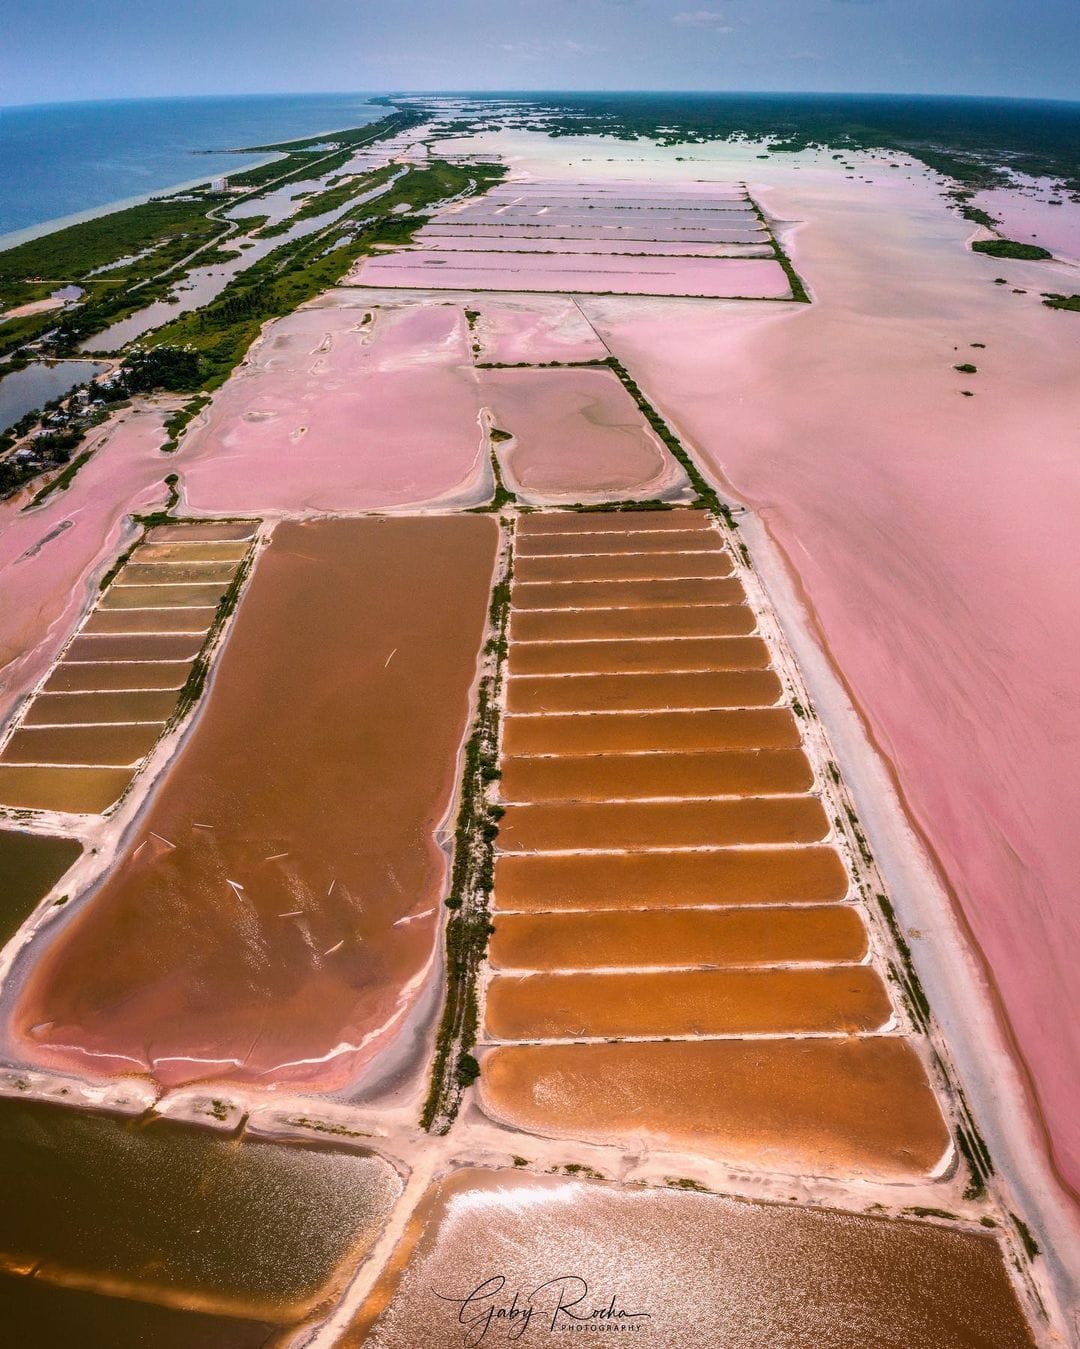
(61, 159)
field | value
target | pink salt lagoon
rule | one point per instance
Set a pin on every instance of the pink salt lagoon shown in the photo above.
(340, 407)
(712, 277)
(651, 229)
(932, 536)
(577, 436)
(49, 555)
(538, 329)
(496, 242)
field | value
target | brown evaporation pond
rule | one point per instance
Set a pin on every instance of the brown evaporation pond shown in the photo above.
(634, 732)
(632, 692)
(135, 646)
(623, 566)
(150, 620)
(625, 594)
(117, 676)
(186, 1217)
(725, 877)
(642, 937)
(655, 657)
(30, 865)
(175, 573)
(66, 709)
(655, 541)
(596, 825)
(596, 522)
(837, 998)
(602, 777)
(252, 929)
(118, 744)
(211, 531)
(75, 791)
(818, 1106)
(697, 620)
(49, 1316)
(192, 552)
(707, 1271)
(161, 597)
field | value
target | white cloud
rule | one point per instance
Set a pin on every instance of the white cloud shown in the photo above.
(702, 18)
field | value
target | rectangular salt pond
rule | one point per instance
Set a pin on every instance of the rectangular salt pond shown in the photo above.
(669, 566)
(674, 937)
(723, 877)
(30, 865)
(675, 654)
(725, 619)
(184, 1217)
(660, 732)
(708, 1272)
(635, 825)
(838, 999)
(824, 1107)
(713, 278)
(644, 692)
(626, 594)
(610, 777)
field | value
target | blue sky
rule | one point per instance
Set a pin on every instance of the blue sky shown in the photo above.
(73, 49)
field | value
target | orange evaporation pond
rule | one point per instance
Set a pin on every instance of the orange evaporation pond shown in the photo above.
(623, 566)
(683, 824)
(714, 937)
(632, 692)
(135, 646)
(656, 541)
(116, 676)
(30, 865)
(727, 876)
(707, 1271)
(66, 709)
(837, 998)
(632, 732)
(617, 522)
(118, 744)
(150, 620)
(75, 791)
(625, 594)
(175, 573)
(251, 929)
(827, 1107)
(610, 777)
(697, 620)
(688, 653)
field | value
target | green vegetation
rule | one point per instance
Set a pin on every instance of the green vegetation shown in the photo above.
(1009, 248)
(685, 1183)
(498, 436)
(966, 368)
(471, 878)
(219, 1109)
(909, 979)
(795, 281)
(1070, 302)
(274, 286)
(1031, 1246)
(320, 1126)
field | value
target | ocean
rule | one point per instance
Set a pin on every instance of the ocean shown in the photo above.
(65, 159)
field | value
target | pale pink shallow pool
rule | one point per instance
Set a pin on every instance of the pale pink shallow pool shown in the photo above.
(649, 228)
(934, 536)
(535, 329)
(605, 218)
(578, 435)
(336, 410)
(718, 277)
(1029, 214)
(48, 554)
(497, 242)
